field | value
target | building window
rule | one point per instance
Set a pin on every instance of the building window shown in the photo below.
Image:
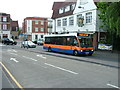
(71, 20)
(4, 27)
(58, 22)
(67, 8)
(36, 37)
(42, 22)
(4, 19)
(36, 29)
(65, 22)
(41, 36)
(42, 29)
(36, 22)
(72, 6)
(61, 10)
(89, 17)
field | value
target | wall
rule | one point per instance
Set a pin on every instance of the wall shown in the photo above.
(89, 7)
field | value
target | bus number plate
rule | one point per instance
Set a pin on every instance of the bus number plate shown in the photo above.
(86, 52)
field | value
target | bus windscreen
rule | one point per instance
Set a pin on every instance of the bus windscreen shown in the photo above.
(85, 42)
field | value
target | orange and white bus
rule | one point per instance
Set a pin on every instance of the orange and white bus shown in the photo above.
(72, 43)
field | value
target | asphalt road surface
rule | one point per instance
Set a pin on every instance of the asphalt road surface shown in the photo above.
(36, 68)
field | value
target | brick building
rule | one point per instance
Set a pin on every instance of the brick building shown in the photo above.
(14, 29)
(34, 28)
(5, 28)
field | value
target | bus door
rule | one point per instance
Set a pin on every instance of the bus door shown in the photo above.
(75, 44)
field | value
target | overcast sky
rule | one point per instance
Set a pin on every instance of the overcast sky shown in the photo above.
(19, 9)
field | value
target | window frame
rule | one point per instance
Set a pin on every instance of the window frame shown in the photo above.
(36, 29)
(89, 17)
(71, 21)
(64, 22)
(58, 22)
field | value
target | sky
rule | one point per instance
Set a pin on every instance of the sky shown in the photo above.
(20, 9)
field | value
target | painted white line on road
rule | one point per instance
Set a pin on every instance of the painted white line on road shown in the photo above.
(60, 68)
(13, 54)
(41, 56)
(11, 50)
(14, 59)
(29, 58)
(14, 50)
(113, 86)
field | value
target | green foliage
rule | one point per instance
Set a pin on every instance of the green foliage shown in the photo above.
(110, 16)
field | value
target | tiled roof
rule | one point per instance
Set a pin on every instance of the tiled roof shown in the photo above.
(58, 5)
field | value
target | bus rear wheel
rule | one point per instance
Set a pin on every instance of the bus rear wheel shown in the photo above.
(75, 53)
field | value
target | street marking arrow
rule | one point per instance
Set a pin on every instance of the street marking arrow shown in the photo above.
(14, 59)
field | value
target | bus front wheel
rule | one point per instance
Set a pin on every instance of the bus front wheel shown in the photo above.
(49, 49)
(90, 54)
(75, 53)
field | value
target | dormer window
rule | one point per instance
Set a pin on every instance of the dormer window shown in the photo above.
(72, 6)
(67, 8)
(61, 10)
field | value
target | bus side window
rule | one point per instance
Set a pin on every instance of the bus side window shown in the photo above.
(68, 41)
(75, 42)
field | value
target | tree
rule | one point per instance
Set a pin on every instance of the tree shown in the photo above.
(110, 16)
(113, 17)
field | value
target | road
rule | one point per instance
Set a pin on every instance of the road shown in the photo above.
(36, 68)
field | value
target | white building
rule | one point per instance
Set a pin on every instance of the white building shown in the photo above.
(77, 16)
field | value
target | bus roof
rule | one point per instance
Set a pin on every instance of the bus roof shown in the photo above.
(60, 35)
(55, 35)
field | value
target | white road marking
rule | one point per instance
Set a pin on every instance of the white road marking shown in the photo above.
(14, 59)
(11, 50)
(41, 56)
(113, 86)
(60, 68)
(13, 54)
(29, 58)
(14, 50)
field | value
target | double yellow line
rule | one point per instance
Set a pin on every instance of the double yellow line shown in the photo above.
(16, 82)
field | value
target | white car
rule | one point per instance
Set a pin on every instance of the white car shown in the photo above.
(28, 44)
(105, 46)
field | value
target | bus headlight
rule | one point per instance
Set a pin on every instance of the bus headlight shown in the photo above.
(81, 50)
(92, 50)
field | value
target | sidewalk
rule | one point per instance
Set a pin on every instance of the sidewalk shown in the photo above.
(108, 54)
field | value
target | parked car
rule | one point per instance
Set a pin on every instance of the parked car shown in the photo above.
(28, 44)
(35, 42)
(9, 41)
(40, 41)
(104, 46)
